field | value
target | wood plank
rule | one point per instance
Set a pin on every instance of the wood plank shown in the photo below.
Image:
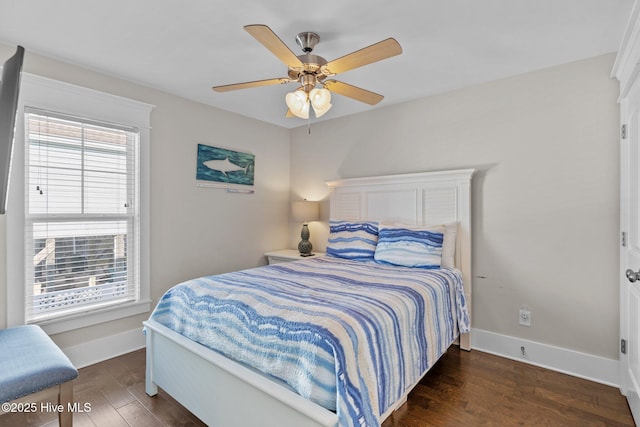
(582, 406)
(102, 412)
(137, 415)
(165, 408)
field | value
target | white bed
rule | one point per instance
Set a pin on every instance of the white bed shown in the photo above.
(225, 393)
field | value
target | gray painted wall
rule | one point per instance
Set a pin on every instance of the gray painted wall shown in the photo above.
(546, 197)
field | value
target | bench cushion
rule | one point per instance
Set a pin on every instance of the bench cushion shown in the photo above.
(29, 362)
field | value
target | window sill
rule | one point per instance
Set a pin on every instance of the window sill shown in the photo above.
(94, 317)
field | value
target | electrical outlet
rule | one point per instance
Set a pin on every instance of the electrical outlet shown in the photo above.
(525, 317)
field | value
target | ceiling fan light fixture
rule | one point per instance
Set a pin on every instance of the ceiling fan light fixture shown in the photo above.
(311, 70)
(298, 103)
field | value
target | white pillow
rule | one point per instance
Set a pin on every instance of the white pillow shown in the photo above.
(449, 244)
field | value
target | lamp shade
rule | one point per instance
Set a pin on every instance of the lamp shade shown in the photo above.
(305, 211)
(298, 104)
(320, 113)
(320, 101)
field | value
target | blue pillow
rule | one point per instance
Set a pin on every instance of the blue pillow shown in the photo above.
(352, 240)
(410, 246)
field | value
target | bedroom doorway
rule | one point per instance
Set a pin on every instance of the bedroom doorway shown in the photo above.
(630, 249)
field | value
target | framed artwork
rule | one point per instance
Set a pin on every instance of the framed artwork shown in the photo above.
(223, 165)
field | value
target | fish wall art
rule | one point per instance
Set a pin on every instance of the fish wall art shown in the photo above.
(223, 165)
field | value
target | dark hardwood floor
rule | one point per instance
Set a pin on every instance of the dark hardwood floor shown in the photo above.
(463, 389)
(479, 389)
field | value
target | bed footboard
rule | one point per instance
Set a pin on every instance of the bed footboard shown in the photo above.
(222, 392)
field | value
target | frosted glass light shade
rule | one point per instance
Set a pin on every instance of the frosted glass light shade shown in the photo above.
(305, 211)
(320, 101)
(298, 104)
(320, 113)
(320, 98)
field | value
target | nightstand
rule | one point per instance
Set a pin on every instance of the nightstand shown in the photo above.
(288, 255)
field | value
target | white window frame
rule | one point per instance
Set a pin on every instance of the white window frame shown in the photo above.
(51, 95)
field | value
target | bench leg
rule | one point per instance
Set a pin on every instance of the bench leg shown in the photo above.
(65, 398)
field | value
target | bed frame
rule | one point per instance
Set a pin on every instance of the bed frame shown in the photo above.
(222, 392)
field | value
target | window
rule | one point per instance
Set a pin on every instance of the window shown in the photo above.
(77, 221)
(81, 227)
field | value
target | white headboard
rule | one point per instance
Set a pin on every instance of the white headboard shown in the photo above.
(427, 198)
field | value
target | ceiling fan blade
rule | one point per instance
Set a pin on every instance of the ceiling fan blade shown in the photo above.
(271, 41)
(246, 85)
(289, 114)
(353, 92)
(370, 54)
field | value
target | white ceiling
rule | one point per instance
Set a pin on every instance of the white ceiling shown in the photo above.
(185, 47)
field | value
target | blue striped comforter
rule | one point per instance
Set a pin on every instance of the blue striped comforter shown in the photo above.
(351, 336)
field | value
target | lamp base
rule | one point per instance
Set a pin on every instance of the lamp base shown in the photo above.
(304, 247)
(306, 255)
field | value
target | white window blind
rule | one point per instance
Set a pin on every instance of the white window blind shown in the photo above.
(81, 215)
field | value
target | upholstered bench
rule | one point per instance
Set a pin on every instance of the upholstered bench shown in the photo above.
(29, 362)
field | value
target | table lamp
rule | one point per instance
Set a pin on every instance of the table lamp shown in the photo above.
(305, 211)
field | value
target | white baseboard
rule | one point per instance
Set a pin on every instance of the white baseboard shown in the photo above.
(101, 349)
(582, 365)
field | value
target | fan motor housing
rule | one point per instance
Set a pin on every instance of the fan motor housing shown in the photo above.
(307, 41)
(312, 64)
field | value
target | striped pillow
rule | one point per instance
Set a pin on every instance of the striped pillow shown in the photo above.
(352, 240)
(410, 246)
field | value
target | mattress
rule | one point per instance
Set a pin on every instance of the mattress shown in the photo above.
(351, 336)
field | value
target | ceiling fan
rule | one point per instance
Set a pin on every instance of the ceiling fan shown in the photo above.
(312, 70)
